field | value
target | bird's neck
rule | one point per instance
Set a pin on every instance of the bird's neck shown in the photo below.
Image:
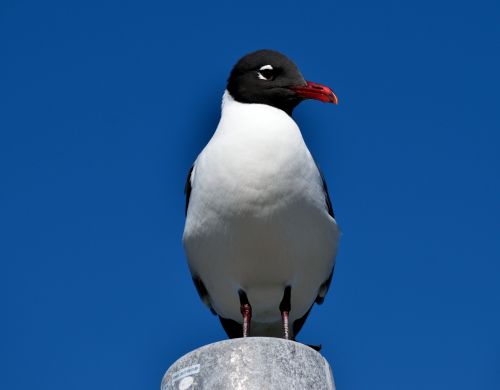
(237, 116)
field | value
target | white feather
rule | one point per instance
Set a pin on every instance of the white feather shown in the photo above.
(257, 218)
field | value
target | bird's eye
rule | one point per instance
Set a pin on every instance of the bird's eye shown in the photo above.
(266, 72)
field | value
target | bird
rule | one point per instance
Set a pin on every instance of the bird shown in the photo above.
(260, 234)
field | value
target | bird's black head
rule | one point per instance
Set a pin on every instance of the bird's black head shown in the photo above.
(269, 77)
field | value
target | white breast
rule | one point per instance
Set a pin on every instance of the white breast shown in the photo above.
(257, 218)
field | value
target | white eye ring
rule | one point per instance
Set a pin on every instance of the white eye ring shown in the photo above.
(265, 67)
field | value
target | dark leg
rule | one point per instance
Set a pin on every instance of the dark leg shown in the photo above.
(246, 312)
(285, 307)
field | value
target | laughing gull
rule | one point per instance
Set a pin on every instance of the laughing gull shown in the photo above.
(260, 234)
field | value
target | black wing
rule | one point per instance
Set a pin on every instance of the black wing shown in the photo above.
(326, 285)
(187, 188)
(324, 288)
(203, 293)
(299, 323)
(198, 283)
(325, 192)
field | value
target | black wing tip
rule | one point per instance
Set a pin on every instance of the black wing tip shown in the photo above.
(299, 323)
(325, 287)
(187, 189)
(232, 328)
(203, 292)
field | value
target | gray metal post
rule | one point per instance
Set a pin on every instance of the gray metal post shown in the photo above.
(252, 363)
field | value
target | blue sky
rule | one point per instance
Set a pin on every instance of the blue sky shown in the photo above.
(103, 108)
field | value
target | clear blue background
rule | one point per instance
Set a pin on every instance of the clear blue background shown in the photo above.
(103, 108)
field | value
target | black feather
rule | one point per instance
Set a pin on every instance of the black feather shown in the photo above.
(232, 328)
(187, 188)
(325, 286)
(203, 292)
(325, 192)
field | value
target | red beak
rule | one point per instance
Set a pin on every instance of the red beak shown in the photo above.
(317, 92)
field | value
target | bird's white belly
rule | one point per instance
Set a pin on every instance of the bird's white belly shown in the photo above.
(257, 221)
(262, 256)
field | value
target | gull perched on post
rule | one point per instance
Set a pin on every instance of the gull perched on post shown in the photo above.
(260, 234)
